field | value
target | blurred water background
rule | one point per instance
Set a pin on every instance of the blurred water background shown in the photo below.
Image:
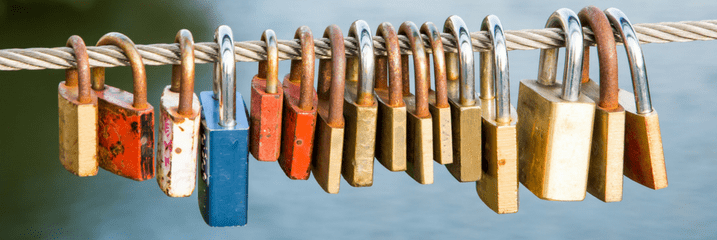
(39, 199)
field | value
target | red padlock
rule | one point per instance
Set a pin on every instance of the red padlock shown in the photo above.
(300, 104)
(126, 121)
(266, 104)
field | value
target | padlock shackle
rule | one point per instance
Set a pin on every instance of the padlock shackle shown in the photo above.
(439, 63)
(420, 66)
(331, 76)
(361, 67)
(638, 71)
(568, 21)
(269, 68)
(456, 27)
(183, 74)
(394, 84)
(135, 59)
(494, 73)
(225, 76)
(594, 18)
(79, 76)
(302, 71)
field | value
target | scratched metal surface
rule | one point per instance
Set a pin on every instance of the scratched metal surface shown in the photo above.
(39, 199)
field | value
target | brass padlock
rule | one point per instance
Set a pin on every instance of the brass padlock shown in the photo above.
(77, 107)
(555, 127)
(419, 158)
(391, 123)
(605, 171)
(267, 98)
(644, 158)
(180, 116)
(360, 111)
(498, 187)
(465, 108)
(328, 147)
(438, 99)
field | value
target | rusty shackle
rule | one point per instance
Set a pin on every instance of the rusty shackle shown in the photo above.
(269, 68)
(420, 66)
(135, 60)
(303, 70)
(362, 66)
(331, 76)
(596, 20)
(439, 63)
(393, 83)
(183, 74)
(79, 76)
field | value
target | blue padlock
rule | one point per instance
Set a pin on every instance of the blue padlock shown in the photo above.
(224, 168)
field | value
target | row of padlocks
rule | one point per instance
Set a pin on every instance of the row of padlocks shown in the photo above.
(558, 142)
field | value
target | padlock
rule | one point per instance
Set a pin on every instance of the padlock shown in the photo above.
(555, 127)
(126, 121)
(644, 159)
(300, 103)
(438, 99)
(224, 167)
(465, 108)
(77, 108)
(328, 148)
(605, 169)
(419, 140)
(180, 114)
(498, 186)
(391, 120)
(360, 111)
(267, 97)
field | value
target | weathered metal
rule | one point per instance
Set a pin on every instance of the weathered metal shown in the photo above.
(267, 98)
(438, 100)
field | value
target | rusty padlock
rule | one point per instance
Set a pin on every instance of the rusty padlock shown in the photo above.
(180, 114)
(126, 120)
(360, 111)
(644, 159)
(267, 97)
(498, 187)
(438, 99)
(606, 153)
(328, 148)
(391, 123)
(300, 103)
(77, 108)
(555, 127)
(419, 140)
(465, 108)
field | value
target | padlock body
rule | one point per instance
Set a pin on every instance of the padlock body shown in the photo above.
(126, 135)
(644, 158)
(419, 158)
(498, 186)
(328, 152)
(390, 133)
(179, 143)
(442, 131)
(265, 136)
(298, 129)
(607, 149)
(78, 132)
(359, 139)
(466, 132)
(223, 183)
(554, 139)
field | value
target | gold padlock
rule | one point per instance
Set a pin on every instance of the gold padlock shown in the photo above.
(329, 140)
(419, 159)
(605, 171)
(555, 128)
(391, 123)
(644, 158)
(465, 108)
(498, 186)
(438, 100)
